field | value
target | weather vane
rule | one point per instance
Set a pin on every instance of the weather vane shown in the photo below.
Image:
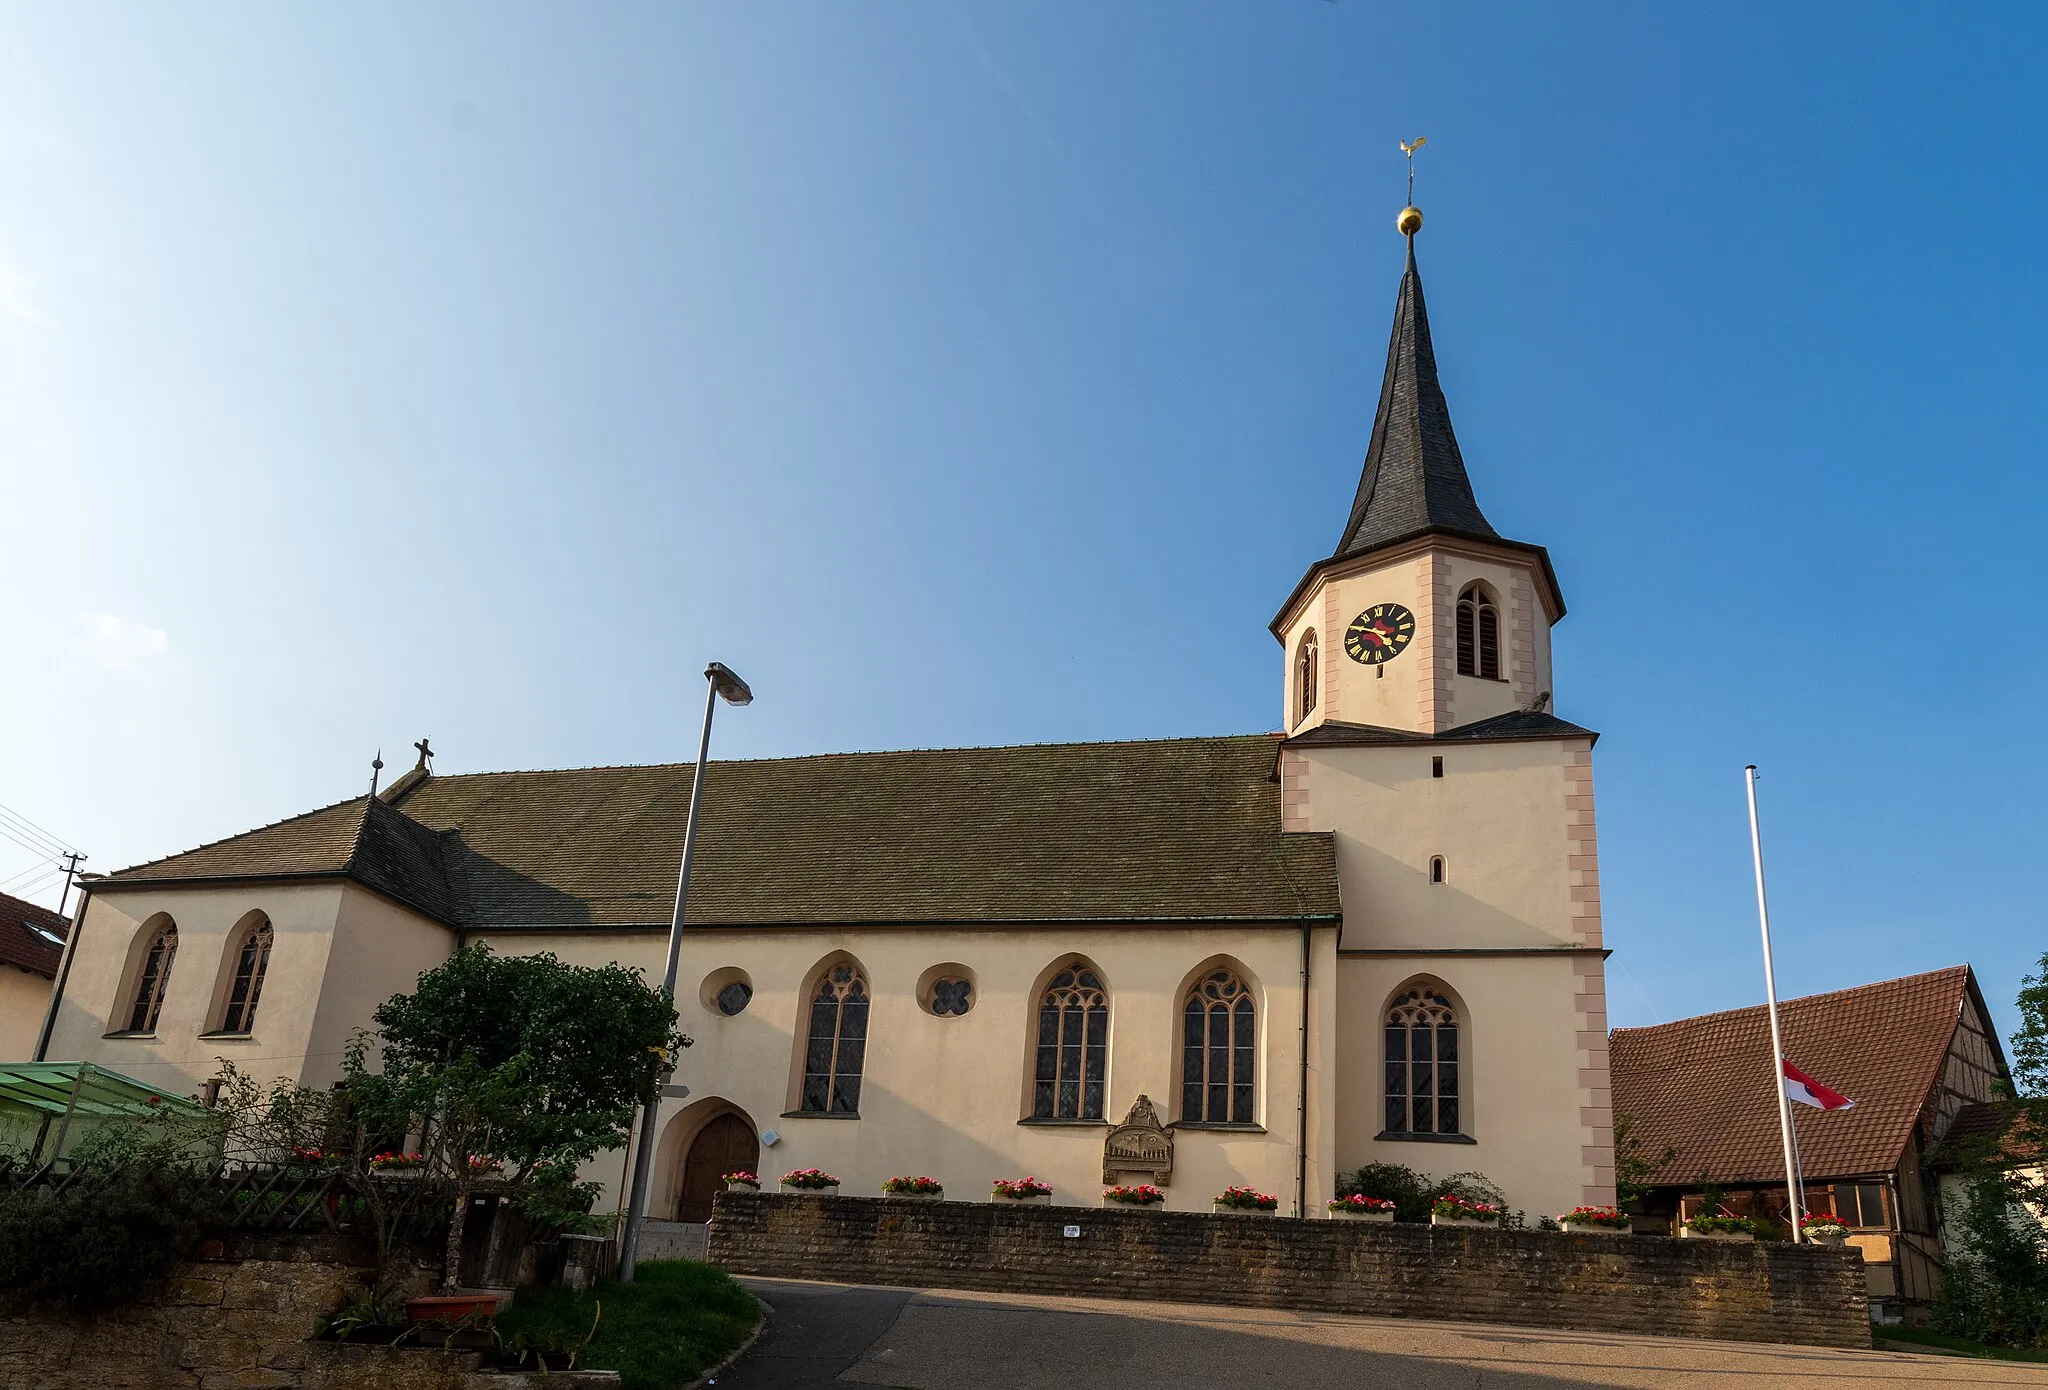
(1410, 220)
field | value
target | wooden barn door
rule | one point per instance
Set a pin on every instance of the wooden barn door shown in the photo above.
(726, 1145)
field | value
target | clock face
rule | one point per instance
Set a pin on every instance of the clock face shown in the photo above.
(1379, 634)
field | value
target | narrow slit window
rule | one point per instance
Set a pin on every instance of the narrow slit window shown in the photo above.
(1436, 869)
(1305, 675)
(1436, 767)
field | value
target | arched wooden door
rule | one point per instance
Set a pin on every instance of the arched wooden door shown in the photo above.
(726, 1145)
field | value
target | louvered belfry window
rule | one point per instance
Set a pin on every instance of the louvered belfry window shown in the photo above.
(1218, 1051)
(1422, 1064)
(155, 977)
(251, 964)
(838, 1042)
(1478, 634)
(1073, 1047)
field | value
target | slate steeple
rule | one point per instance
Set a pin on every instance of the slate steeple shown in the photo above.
(1414, 477)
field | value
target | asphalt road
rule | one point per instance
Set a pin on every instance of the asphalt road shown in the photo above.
(823, 1335)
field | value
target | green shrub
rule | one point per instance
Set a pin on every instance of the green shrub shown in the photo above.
(1414, 1194)
(107, 1237)
(1994, 1289)
(676, 1319)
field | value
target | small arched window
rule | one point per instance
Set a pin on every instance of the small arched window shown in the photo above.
(1436, 868)
(1422, 1064)
(1305, 674)
(1218, 1051)
(1073, 1047)
(1478, 634)
(247, 986)
(837, 1043)
(154, 979)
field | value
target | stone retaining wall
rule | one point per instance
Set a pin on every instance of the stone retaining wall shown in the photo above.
(241, 1319)
(1765, 1292)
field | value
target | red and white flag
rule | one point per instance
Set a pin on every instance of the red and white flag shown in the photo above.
(1804, 1089)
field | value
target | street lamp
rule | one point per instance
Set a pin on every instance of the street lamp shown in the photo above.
(721, 684)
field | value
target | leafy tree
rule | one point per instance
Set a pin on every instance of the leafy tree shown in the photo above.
(591, 1045)
(1634, 1163)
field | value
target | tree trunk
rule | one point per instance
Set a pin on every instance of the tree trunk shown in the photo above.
(451, 1256)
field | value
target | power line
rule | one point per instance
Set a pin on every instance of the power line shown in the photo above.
(40, 867)
(22, 826)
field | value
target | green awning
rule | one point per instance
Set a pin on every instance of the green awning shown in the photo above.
(83, 1089)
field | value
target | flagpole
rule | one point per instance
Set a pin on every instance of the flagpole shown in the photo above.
(1763, 914)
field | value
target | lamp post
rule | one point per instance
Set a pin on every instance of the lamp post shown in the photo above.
(721, 684)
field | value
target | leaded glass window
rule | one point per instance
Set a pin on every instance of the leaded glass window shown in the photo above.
(951, 997)
(155, 977)
(1073, 1047)
(838, 1041)
(1422, 1064)
(251, 964)
(734, 998)
(1218, 1052)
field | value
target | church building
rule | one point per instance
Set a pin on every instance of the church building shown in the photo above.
(1262, 959)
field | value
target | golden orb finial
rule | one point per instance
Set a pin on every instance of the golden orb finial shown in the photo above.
(1410, 220)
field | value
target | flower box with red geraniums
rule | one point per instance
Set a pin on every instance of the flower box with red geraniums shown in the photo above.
(742, 1181)
(1723, 1227)
(1456, 1211)
(1823, 1230)
(1600, 1221)
(393, 1164)
(484, 1166)
(1140, 1197)
(1031, 1190)
(917, 1189)
(1247, 1200)
(307, 1156)
(1359, 1207)
(811, 1180)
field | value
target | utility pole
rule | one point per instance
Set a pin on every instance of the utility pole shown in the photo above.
(70, 873)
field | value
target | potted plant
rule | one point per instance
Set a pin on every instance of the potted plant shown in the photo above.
(1603, 1221)
(1359, 1207)
(1244, 1199)
(1824, 1230)
(392, 1164)
(1724, 1225)
(1027, 1189)
(742, 1181)
(917, 1189)
(812, 1180)
(1138, 1197)
(455, 1311)
(1456, 1211)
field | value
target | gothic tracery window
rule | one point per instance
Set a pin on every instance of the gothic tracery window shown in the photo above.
(1073, 1047)
(1478, 634)
(155, 977)
(1218, 1051)
(252, 962)
(1422, 1064)
(837, 1042)
(1305, 674)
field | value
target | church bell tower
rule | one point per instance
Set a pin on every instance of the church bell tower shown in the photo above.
(1424, 618)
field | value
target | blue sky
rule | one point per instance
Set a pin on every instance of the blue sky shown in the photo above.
(953, 370)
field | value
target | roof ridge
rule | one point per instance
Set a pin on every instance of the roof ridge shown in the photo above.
(1963, 969)
(858, 753)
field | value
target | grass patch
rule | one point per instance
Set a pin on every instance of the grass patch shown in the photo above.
(1925, 1337)
(673, 1322)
